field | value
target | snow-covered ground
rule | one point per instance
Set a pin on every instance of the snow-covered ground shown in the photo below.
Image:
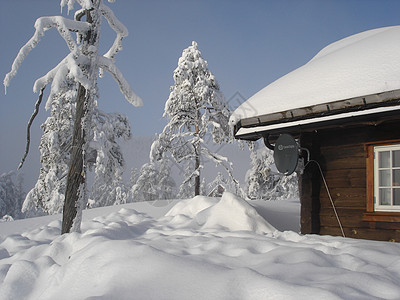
(200, 248)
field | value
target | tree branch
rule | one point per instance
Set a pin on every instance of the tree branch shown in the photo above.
(124, 87)
(28, 129)
(119, 29)
(42, 24)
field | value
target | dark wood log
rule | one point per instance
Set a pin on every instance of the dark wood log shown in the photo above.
(348, 217)
(364, 233)
(344, 178)
(351, 162)
(310, 186)
(344, 197)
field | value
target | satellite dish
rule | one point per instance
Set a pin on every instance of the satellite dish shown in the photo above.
(286, 154)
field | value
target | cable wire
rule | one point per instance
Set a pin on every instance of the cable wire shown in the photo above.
(329, 194)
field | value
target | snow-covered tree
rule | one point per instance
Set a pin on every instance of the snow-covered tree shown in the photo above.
(80, 66)
(154, 182)
(104, 156)
(55, 145)
(108, 187)
(288, 187)
(134, 176)
(254, 177)
(263, 181)
(11, 195)
(195, 110)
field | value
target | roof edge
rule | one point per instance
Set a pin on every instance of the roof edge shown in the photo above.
(254, 133)
(384, 99)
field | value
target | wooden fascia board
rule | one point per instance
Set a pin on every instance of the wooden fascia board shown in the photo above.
(390, 98)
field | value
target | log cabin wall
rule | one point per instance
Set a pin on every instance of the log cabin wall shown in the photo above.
(342, 156)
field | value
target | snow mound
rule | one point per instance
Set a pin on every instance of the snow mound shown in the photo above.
(128, 254)
(191, 207)
(228, 213)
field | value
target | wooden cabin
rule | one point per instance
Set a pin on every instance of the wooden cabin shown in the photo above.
(217, 191)
(344, 108)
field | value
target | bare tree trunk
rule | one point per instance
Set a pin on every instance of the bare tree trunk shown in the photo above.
(197, 178)
(76, 174)
(197, 165)
(76, 184)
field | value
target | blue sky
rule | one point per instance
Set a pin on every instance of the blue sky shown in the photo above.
(247, 43)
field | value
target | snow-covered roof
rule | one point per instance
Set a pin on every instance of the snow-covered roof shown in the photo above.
(358, 70)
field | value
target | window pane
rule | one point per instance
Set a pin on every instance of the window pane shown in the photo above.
(396, 196)
(384, 159)
(384, 178)
(396, 177)
(396, 158)
(384, 197)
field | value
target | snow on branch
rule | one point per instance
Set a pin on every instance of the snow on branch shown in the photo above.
(118, 27)
(63, 25)
(69, 3)
(85, 4)
(126, 90)
(219, 159)
(69, 65)
(192, 175)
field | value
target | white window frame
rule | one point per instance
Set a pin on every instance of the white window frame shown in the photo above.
(391, 187)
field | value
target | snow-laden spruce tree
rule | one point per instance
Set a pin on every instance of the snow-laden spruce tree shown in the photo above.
(258, 179)
(108, 187)
(196, 110)
(104, 156)
(154, 182)
(80, 66)
(11, 195)
(47, 196)
(263, 181)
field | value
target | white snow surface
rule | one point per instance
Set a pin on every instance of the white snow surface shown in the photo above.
(203, 248)
(363, 64)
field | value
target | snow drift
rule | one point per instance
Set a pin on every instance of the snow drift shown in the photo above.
(203, 248)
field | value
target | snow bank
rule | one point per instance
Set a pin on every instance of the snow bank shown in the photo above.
(228, 213)
(127, 254)
(363, 64)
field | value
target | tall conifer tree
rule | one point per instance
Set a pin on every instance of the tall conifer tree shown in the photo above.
(196, 111)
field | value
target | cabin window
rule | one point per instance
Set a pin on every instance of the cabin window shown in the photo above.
(387, 178)
(383, 182)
